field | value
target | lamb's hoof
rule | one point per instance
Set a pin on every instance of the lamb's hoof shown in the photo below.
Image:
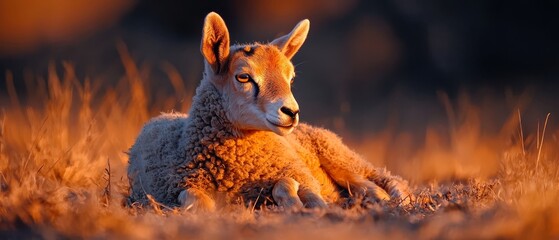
(371, 192)
(195, 200)
(377, 193)
(402, 192)
(311, 199)
(285, 194)
(290, 203)
(316, 203)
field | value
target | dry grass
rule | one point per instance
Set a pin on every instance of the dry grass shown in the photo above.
(62, 165)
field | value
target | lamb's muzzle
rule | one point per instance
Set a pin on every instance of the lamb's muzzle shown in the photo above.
(291, 113)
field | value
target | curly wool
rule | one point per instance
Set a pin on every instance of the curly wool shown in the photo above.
(205, 155)
(205, 151)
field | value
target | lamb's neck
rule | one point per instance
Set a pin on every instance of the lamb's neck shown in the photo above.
(208, 112)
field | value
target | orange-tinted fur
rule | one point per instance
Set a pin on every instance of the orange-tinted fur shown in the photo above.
(242, 137)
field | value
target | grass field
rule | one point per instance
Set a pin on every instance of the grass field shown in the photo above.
(63, 164)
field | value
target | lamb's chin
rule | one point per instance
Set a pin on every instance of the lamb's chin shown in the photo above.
(282, 131)
(279, 130)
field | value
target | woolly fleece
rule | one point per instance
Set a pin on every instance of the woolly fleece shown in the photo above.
(204, 151)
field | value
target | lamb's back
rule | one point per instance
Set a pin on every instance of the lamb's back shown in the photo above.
(154, 158)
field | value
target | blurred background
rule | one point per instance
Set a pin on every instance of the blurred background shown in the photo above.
(367, 66)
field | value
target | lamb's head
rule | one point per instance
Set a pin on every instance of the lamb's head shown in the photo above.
(254, 79)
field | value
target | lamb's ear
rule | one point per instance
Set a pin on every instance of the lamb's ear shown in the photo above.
(215, 42)
(290, 43)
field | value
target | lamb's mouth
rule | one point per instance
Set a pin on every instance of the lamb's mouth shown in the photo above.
(280, 125)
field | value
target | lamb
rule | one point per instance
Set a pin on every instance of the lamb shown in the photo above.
(242, 140)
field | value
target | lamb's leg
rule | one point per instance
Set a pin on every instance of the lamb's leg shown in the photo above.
(197, 200)
(369, 189)
(288, 193)
(395, 185)
(309, 190)
(347, 168)
(285, 193)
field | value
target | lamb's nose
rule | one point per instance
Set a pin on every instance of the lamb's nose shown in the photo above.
(289, 112)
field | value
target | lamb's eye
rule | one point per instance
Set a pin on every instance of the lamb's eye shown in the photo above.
(243, 77)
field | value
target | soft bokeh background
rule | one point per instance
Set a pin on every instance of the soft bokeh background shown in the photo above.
(390, 76)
